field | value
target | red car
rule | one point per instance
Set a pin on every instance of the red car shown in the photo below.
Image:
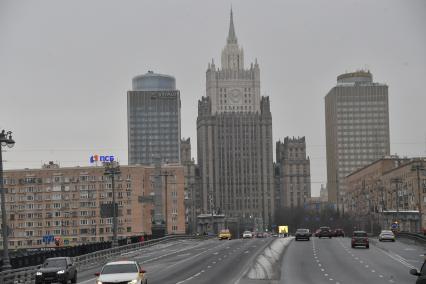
(338, 233)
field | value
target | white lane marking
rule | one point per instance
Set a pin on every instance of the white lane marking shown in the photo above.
(190, 278)
(398, 258)
(90, 280)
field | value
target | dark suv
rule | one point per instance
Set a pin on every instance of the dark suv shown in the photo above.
(325, 232)
(360, 238)
(56, 269)
(302, 234)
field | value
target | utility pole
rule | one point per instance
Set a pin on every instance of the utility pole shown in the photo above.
(112, 169)
(397, 181)
(418, 168)
(160, 224)
(5, 140)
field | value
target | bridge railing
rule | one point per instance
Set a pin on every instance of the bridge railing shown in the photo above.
(412, 236)
(26, 275)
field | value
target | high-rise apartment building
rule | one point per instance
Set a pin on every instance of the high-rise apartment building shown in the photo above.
(294, 186)
(357, 128)
(65, 203)
(153, 120)
(234, 132)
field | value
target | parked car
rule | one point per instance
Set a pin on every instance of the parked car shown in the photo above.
(360, 238)
(121, 272)
(338, 233)
(247, 235)
(421, 275)
(325, 232)
(302, 234)
(57, 269)
(386, 235)
(225, 234)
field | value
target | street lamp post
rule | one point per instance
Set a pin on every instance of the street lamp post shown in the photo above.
(418, 168)
(5, 140)
(112, 169)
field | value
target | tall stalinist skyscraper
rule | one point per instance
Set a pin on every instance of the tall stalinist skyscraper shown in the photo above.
(234, 138)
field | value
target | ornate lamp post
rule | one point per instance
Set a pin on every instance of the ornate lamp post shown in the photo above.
(5, 140)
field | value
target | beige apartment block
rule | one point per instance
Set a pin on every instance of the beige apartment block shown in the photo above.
(65, 203)
(387, 191)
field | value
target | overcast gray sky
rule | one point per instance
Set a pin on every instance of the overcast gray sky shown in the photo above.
(65, 67)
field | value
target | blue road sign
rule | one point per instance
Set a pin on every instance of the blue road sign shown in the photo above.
(394, 226)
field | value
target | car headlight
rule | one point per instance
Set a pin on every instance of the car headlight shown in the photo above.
(38, 273)
(133, 282)
(98, 282)
(61, 272)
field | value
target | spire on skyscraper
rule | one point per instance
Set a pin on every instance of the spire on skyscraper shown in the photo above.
(232, 38)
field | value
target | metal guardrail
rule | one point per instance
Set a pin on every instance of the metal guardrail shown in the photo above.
(412, 236)
(26, 275)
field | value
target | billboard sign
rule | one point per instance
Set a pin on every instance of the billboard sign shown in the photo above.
(98, 158)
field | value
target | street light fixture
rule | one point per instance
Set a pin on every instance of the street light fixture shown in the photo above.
(112, 169)
(5, 140)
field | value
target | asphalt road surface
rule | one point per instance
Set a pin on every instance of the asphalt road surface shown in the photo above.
(193, 261)
(334, 261)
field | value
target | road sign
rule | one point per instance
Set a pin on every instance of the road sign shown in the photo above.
(394, 226)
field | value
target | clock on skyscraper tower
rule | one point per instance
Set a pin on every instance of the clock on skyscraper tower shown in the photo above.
(236, 96)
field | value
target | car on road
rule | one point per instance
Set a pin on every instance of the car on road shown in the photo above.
(128, 272)
(302, 234)
(225, 234)
(360, 238)
(317, 232)
(386, 235)
(421, 275)
(338, 233)
(325, 232)
(247, 235)
(56, 269)
(260, 235)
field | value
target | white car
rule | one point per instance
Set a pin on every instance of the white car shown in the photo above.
(386, 235)
(121, 271)
(247, 235)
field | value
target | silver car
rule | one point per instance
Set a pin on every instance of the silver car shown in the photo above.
(386, 235)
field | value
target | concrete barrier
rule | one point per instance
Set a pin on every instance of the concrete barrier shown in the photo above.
(267, 264)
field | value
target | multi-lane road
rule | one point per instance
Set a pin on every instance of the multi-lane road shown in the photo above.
(334, 261)
(190, 261)
(316, 261)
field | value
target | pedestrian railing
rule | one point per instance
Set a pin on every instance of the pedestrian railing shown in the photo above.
(26, 275)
